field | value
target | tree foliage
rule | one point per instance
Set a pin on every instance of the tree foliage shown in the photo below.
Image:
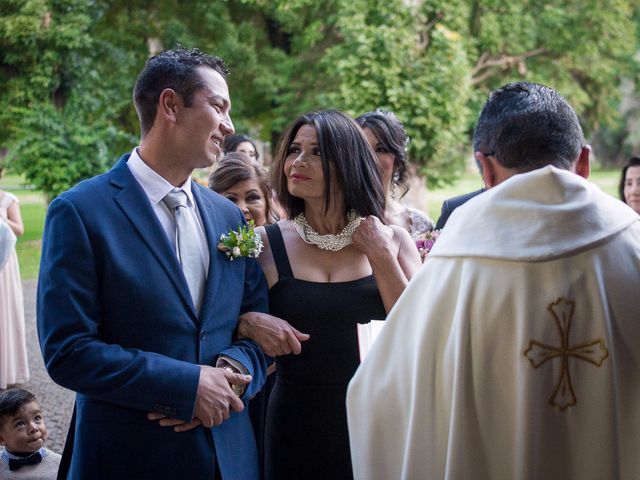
(55, 125)
(67, 68)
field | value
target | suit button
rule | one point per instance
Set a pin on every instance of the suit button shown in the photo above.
(202, 335)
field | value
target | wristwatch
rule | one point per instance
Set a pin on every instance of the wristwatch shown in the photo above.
(238, 388)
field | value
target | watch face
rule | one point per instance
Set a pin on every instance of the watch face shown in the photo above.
(238, 388)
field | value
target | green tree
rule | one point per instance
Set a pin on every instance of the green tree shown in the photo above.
(583, 48)
(360, 55)
(55, 124)
(398, 59)
(67, 68)
(434, 62)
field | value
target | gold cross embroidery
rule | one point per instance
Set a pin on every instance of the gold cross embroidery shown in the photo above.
(594, 352)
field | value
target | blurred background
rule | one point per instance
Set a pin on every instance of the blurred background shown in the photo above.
(67, 68)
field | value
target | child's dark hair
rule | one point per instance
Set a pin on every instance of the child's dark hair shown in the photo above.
(13, 400)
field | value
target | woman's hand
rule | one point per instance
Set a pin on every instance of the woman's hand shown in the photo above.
(373, 238)
(178, 425)
(274, 335)
(392, 254)
(14, 219)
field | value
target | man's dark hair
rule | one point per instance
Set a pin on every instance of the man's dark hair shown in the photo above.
(633, 162)
(175, 69)
(525, 126)
(343, 148)
(12, 400)
(392, 136)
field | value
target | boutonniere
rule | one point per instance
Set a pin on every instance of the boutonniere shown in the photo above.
(425, 242)
(244, 242)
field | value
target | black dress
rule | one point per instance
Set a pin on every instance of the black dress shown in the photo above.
(306, 431)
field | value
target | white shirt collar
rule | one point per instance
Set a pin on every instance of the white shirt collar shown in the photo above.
(7, 455)
(153, 184)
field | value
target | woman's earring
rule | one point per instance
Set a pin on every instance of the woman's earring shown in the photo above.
(395, 180)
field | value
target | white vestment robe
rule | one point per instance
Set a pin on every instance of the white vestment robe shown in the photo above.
(514, 353)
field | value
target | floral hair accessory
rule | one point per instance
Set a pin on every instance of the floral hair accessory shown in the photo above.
(244, 242)
(425, 243)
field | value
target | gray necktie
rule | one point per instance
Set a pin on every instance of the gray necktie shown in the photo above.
(187, 243)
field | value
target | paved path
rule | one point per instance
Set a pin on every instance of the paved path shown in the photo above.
(56, 402)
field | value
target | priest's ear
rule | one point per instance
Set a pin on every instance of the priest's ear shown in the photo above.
(490, 168)
(582, 165)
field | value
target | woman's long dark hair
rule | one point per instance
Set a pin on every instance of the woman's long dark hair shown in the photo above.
(390, 132)
(343, 148)
(231, 142)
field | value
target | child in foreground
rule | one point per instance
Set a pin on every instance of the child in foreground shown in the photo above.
(22, 434)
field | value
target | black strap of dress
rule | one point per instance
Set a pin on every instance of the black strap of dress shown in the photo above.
(279, 251)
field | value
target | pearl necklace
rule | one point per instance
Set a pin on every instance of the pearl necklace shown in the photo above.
(330, 241)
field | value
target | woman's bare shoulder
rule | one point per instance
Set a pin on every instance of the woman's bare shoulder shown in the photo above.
(399, 233)
(265, 259)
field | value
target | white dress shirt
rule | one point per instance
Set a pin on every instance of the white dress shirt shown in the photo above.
(156, 187)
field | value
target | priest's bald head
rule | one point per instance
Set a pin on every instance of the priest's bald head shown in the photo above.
(525, 126)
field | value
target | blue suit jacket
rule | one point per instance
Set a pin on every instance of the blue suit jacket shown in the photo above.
(118, 326)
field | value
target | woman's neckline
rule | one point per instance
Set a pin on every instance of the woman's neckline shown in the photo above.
(342, 282)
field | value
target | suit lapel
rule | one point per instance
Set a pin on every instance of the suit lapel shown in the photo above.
(135, 205)
(209, 219)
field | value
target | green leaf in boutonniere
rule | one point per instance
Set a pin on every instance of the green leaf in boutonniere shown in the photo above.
(244, 242)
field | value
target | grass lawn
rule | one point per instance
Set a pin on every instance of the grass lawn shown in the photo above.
(30, 244)
(468, 182)
(33, 209)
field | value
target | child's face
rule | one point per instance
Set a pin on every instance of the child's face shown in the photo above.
(25, 431)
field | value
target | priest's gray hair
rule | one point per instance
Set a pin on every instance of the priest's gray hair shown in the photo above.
(525, 126)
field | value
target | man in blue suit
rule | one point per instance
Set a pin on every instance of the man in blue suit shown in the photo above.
(126, 324)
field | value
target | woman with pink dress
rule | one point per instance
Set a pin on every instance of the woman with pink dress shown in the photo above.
(13, 348)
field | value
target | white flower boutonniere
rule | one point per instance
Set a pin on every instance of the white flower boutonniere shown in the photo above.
(244, 242)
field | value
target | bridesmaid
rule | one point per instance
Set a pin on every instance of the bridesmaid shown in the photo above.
(13, 349)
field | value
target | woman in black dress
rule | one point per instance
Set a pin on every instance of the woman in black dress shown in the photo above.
(331, 265)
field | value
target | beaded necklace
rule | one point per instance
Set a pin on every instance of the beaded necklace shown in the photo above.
(327, 242)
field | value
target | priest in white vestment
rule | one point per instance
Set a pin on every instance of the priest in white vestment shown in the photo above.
(515, 352)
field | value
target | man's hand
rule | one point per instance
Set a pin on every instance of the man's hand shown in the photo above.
(178, 425)
(274, 335)
(215, 400)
